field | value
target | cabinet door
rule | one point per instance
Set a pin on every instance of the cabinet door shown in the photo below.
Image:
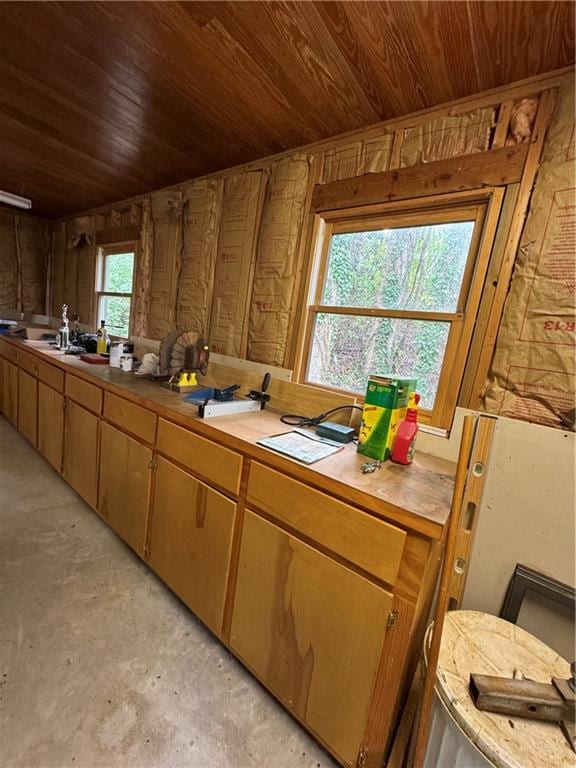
(125, 471)
(10, 391)
(311, 629)
(81, 451)
(190, 540)
(50, 425)
(27, 405)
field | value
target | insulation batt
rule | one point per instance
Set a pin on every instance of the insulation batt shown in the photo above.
(522, 121)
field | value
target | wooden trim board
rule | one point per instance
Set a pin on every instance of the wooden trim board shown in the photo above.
(497, 167)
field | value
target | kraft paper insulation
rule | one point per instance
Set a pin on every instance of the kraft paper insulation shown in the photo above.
(85, 295)
(8, 263)
(79, 269)
(141, 295)
(33, 242)
(533, 371)
(119, 216)
(167, 219)
(194, 286)
(357, 158)
(57, 268)
(240, 221)
(449, 136)
(276, 260)
(24, 248)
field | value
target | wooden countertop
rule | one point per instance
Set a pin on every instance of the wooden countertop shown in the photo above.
(417, 496)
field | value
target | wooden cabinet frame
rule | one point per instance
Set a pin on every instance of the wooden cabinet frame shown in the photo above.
(196, 539)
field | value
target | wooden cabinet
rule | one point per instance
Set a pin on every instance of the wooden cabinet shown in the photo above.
(50, 425)
(190, 540)
(366, 541)
(125, 473)
(27, 405)
(81, 451)
(311, 629)
(297, 569)
(51, 375)
(84, 393)
(10, 392)
(218, 465)
(130, 417)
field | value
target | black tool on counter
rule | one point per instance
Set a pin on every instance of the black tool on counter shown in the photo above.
(227, 394)
(261, 394)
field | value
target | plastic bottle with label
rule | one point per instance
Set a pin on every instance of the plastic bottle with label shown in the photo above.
(102, 339)
(405, 442)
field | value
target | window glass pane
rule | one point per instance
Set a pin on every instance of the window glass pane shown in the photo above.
(418, 268)
(118, 269)
(346, 350)
(115, 310)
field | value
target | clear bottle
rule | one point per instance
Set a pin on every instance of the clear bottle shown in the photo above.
(102, 340)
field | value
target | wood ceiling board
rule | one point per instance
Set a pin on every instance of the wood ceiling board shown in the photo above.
(514, 40)
(403, 68)
(102, 101)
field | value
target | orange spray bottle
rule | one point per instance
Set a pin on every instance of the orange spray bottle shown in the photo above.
(405, 441)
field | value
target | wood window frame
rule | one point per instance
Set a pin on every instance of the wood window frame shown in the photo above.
(103, 252)
(486, 204)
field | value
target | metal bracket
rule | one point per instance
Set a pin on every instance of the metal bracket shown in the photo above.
(392, 619)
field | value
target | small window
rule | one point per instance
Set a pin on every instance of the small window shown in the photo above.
(116, 278)
(391, 297)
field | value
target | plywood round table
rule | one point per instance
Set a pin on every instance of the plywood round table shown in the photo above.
(463, 736)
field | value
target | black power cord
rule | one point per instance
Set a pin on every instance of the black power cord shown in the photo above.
(294, 420)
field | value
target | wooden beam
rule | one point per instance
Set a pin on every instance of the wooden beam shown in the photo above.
(496, 167)
(545, 111)
(112, 235)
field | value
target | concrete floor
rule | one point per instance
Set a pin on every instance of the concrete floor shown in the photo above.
(100, 665)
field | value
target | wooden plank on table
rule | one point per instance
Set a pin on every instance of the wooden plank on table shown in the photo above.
(496, 167)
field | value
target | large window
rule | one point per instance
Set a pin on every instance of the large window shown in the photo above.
(396, 295)
(115, 281)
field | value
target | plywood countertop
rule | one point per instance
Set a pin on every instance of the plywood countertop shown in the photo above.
(417, 496)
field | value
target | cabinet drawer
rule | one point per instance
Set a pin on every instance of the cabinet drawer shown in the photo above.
(372, 544)
(28, 363)
(130, 417)
(83, 393)
(51, 375)
(9, 352)
(216, 464)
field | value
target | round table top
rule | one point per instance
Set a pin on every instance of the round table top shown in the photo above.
(484, 644)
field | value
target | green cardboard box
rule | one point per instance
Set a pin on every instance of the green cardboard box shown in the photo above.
(384, 408)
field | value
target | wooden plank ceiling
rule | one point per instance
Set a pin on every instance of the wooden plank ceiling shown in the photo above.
(101, 101)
